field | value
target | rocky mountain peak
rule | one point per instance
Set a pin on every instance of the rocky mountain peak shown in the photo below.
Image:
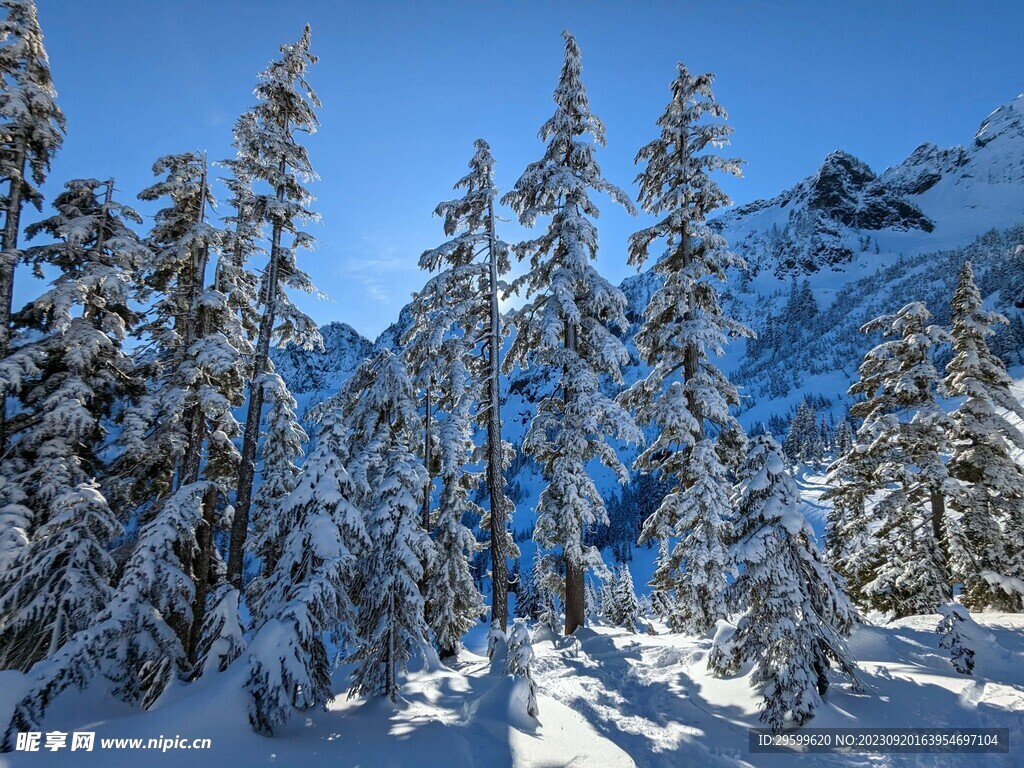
(1005, 122)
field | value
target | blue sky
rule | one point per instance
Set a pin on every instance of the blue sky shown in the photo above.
(407, 87)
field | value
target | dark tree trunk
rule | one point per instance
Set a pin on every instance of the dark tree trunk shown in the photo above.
(575, 601)
(938, 504)
(253, 417)
(201, 574)
(495, 475)
(427, 459)
(575, 597)
(8, 261)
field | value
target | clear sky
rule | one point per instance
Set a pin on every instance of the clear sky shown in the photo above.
(407, 87)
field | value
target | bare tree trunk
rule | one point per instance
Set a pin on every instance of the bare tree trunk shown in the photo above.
(575, 598)
(938, 503)
(495, 475)
(691, 358)
(427, 459)
(204, 537)
(389, 672)
(247, 466)
(8, 261)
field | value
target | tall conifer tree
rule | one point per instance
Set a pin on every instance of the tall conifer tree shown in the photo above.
(68, 376)
(270, 155)
(991, 504)
(31, 132)
(685, 396)
(567, 327)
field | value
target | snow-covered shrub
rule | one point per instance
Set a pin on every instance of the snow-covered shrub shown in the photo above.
(496, 641)
(954, 636)
(520, 659)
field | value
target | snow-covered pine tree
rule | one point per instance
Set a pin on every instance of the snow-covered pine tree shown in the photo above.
(685, 397)
(314, 539)
(900, 538)
(67, 373)
(566, 327)
(135, 639)
(591, 600)
(795, 437)
(31, 132)
(805, 442)
(453, 602)
(991, 504)
(162, 437)
(241, 236)
(280, 454)
(222, 637)
(463, 300)
(519, 661)
(526, 595)
(844, 438)
(379, 410)
(622, 609)
(181, 430)
(453, 345)
(795, 611)
(271, 156)
(547, 590)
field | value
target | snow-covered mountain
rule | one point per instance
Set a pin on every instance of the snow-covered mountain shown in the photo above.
(317, 373)
(936, 198)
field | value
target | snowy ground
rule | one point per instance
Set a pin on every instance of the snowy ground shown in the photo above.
(608, 698)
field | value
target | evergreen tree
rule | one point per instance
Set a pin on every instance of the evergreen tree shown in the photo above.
(548, 585)
(180, 430)
(68, 373)
(592, 601)
(453, 602)
(31, 132)
(843, 439)
(565, 328)
(380, 412)
(621, 608)
(241, 236)
(954, 636)
(454, 346)
(901, 565)
(222, 638)
(270, 155)
(526, 596)
(135, 640)
(271, 528)
(796, 613)
(685, 397)
(806, 439)
(991, 505)
(312, 542)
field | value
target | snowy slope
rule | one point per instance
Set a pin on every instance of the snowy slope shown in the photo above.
(607, 699)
